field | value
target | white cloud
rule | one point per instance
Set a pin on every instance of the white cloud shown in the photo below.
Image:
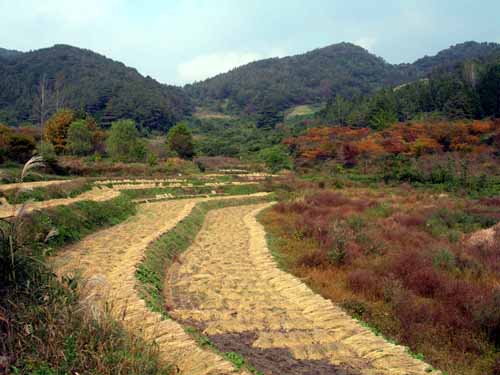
(209, 65)
(366, 42)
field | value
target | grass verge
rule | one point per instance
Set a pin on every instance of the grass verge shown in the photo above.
(194, 190)
(43, 328)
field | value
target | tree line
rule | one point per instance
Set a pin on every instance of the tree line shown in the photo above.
(77, 133)
(468, 91)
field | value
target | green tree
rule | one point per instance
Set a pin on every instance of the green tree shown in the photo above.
(275, 158)
(489, 91)
(268, 118)
(79, 138)
(382, 111)
(123, 143)
(337, 111)
(180, 140)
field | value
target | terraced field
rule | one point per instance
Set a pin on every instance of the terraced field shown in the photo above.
(228, 287)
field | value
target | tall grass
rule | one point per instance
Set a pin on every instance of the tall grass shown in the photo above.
(43, 328)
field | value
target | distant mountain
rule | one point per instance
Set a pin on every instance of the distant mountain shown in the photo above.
(9, 53)
(110, 90)
(87, 81)
(457, 54)
(340, 69)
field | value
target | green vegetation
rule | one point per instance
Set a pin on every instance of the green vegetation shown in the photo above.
(468, 90)
(194, 190)
(239, 137)
(43, 329)
(79, 78)
(395, 258)
(341, 69)
(276, 158)
(79, 138)
(180, 141)
(63, 190)
(123, 143)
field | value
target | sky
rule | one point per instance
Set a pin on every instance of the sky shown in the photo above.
(182, 41)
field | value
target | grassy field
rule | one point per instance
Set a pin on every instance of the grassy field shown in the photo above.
(301, 110)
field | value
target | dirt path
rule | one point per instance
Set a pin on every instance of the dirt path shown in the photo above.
(31, 185)
(106, 262)
(228, 285)
(96, 194)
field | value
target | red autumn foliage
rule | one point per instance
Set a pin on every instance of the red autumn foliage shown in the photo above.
(426, 290)
(348, 145)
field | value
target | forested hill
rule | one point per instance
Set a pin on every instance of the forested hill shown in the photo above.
(450, 57)
(341, 69)
(82, 79)
(9, 53)
(311, 77)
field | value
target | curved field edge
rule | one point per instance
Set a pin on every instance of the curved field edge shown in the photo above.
(273, 243)
(162, 253)
(63, 337)
(24, 192)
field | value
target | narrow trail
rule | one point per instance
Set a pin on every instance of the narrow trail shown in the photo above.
(106, 262)
(228, 285)
(96, 194)
(30, 185)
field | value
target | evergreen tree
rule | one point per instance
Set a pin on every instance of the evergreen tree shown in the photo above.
(489, 91)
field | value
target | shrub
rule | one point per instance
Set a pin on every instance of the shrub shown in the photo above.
(79, 138)
(275, 158)
(123, 143)
(356, 223)
(337, 253)
(313, 259)
(20, 148)
(180, 140)
(48, 152)
(327, 198)
(365, 282)
(152, 159)
(356, 308)
(444, 259)
(424, 281)
(487, 315)
(56, 129)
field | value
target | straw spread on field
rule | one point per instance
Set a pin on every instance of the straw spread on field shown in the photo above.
(228, 286)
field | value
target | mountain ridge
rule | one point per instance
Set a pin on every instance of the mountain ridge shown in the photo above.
(346, 69)
(91, 82)
(109, 89)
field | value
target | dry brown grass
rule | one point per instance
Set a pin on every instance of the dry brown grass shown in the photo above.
(398, 259)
